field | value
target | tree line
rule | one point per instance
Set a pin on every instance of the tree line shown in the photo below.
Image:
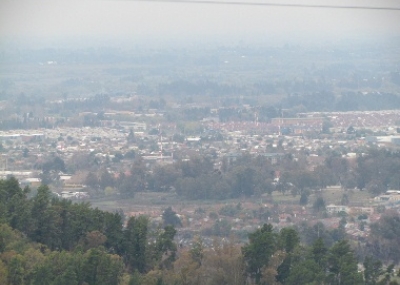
(246, 176)
(45, 240)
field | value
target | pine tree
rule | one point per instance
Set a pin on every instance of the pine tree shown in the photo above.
(261, 246)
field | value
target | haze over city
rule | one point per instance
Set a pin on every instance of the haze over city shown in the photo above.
(199, 142)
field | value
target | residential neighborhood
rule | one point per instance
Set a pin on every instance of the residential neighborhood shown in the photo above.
(66, 156)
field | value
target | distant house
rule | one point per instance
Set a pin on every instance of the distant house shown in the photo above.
(32, 182)
(387, 198)
(68, 194)
(74, 195)
(393, 192)
(335, 209)
(362, 210)
(273, 157)
(193, 139)
(135, 126)
(65, 177)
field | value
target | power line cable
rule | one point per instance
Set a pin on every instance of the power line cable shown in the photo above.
(241, 3)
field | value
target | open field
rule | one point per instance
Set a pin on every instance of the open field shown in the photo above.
(154, 202)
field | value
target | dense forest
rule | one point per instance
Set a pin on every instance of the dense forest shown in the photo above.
(45, 240)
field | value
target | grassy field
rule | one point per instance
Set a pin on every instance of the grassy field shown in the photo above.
(156, 202)
(356, 197)
(331, 196)
(153, 202)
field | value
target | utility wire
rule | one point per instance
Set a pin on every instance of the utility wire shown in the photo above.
(241, 3)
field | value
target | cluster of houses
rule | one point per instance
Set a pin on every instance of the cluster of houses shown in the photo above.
(114, 145)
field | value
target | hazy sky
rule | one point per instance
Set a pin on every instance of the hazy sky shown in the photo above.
(53, 20)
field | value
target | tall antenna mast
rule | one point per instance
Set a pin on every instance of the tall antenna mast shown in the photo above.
(280, 121)
(160, 142)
